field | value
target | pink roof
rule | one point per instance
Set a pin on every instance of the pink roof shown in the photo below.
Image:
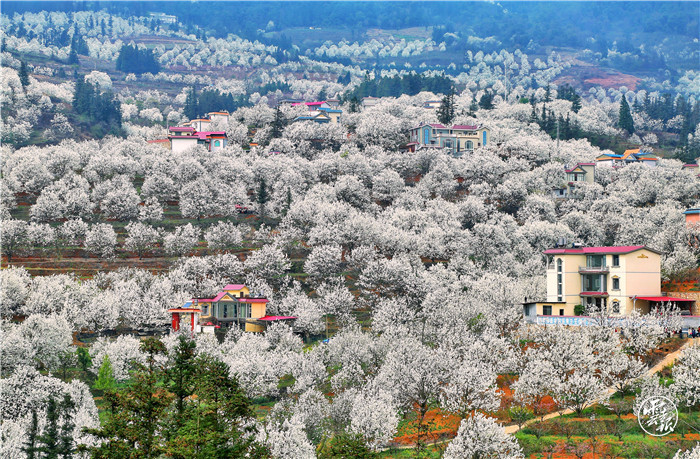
(253, 300)
(308, 103)
(690, 165)
(594, 293)
(193, 137)
(219, 296)
(598, 250)
(181, 128)
(209, 134)
(234, 287)
(271, 318)
(464, 126)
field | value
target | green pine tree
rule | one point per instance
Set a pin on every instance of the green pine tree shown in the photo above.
(136, 415)
(625, 122)
(277, 124)
(49, 441)
(262, 196)
(23, 74)
(181, 375)
(105, 377)
(84, 359)
(30, 444)
(576, 103)
(191, 109)
(446, 112)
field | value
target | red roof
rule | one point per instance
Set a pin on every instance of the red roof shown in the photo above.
(208, 134)
(272, 318)
(594, 293)
(193, 137)
(598, 250)
(234, 287)
(308, 103)
(183, 310)
(661, 298)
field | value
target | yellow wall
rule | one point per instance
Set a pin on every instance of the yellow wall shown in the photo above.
(254, 328)
(257, 310)
(639, 273)
(236, 293)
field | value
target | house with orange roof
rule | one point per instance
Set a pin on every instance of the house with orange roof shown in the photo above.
(233, 306)
(635, 155)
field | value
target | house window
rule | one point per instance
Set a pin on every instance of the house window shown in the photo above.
(483, 135)
(593, 282)
(595, 261)
(217, 143)
(470, 145)
(225, 310)
(547, 310)
(560, 279)
(205, 310)
(244, 311)
(616, 260)
(561, 312)
(616, 283)
(616, 307)
(448, 144)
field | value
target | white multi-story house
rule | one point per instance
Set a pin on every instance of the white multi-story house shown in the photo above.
(457, 138)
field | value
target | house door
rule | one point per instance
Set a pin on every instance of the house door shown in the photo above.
(426, 136)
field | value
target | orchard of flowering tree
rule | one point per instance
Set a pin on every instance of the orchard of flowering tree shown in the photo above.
(404, 268)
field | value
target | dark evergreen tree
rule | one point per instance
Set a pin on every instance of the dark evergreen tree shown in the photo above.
(23, 74)
(262, 196)
(486, 100)
(136, 413)
(625, 122)
(134, 60)
(277, 124)
(84, 359)
(49, 441)
(446, 112)
(180, 375)
(191, 109)
(473, 107)
(354, 106)
(30, 445)
(347, 446)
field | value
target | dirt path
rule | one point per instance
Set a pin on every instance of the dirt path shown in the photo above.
(667, 360)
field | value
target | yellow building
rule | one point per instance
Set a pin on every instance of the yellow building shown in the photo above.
(617, 279)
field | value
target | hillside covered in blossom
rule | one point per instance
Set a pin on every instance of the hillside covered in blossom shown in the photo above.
(395, 275)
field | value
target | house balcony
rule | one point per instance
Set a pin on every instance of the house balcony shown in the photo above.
(600, 294)
(593, 269)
